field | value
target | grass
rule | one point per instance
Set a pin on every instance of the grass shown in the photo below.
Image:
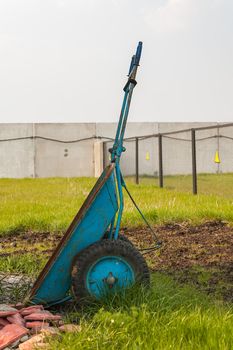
(28, 264)
(214, 184)
(168, 316)
(50, 204)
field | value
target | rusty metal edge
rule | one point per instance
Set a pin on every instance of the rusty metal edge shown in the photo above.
(82, 211)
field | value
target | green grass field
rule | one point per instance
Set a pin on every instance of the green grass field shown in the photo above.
(50, 204)
(169, 315)
(214, 184)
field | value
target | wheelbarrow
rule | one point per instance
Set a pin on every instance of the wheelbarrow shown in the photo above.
(92, 258)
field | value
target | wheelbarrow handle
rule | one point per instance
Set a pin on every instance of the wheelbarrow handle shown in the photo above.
(136, 58)
(138, 53)
(118, 148)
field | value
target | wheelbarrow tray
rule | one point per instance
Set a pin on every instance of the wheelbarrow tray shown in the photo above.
(88, 227)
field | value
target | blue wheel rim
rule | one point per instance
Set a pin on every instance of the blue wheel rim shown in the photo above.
(109, 274)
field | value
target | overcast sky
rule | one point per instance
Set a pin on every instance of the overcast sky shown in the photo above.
(67, 60)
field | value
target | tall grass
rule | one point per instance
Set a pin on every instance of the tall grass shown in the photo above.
(50, 204)
(167, 316)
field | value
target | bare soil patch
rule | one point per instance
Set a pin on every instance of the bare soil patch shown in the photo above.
(201, 255)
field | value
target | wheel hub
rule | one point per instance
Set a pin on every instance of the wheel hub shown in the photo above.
(110, 280)
(109, 273)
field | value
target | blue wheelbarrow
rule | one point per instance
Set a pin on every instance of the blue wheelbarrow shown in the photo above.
(92, 258)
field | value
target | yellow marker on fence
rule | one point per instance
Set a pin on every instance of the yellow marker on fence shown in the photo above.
(216, 158)
(147, 156)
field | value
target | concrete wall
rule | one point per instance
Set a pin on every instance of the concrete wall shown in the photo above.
(177, 151)
(16, 157)
(177, 154)
(46, 158)
(146, 146)
(66, 160)
(226, 150)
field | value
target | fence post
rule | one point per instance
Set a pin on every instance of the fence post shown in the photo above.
(136, 161)
(194, 161)
(160, 145)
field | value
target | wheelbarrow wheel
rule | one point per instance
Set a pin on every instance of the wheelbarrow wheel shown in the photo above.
(122, 238)
(125, 239)
(108, 267)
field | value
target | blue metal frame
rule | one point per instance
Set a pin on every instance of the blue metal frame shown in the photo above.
(118, 148)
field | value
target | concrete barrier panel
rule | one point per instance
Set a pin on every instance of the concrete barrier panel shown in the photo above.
(41, 157)
(226, 150)
(149, 167)
(177, 149)
(65, 159)
(206, 147)
(16, 157)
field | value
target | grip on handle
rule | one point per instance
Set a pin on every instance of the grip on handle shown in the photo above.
(136, 58)
(138, 53)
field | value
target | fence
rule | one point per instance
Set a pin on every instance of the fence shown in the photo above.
(71, 150)
(193, 140)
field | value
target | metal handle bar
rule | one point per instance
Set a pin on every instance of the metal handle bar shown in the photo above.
(117, 148)
(138, 53)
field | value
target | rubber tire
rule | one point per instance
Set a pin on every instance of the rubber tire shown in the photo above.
(122, 238)
(121, 248)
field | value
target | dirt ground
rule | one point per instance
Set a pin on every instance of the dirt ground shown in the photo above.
(201, 255)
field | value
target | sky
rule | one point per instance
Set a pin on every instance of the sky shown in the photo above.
(67, 60)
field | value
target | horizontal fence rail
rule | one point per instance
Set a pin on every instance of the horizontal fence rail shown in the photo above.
(144, 137)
